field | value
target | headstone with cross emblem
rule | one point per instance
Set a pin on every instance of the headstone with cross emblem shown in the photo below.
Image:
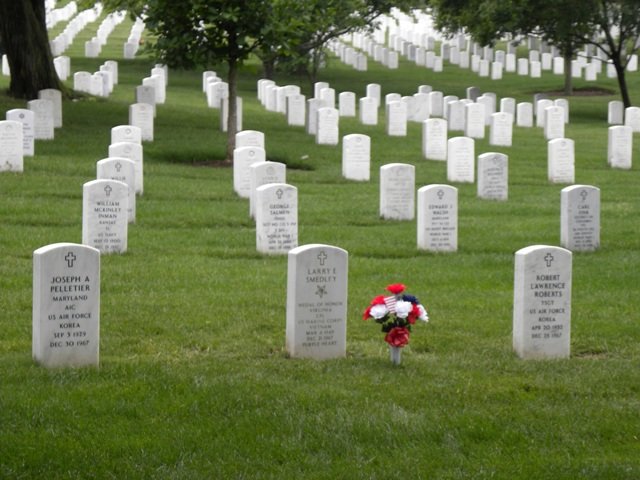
(141, 115)
(276, 212)
(243, 158)
(438, 218)
(104, 215)
(461, 160)
(620, 147)
(356, 157)
(542, 302)
(26, 118)
(126, 133)
(134, 152)
(493, 176)
(317, 302)
(124, 170)
(262, 173)
(397, 191)
(11, 145)
(66, 305)
(434, 139)
(561, 160)
(580, 218)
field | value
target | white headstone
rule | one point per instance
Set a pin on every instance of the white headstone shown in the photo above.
(615, 113)
(434, 139)
(561, 160)
(296, 110)
(620, 147)
(328, 132)
(243, 158)
(133, 151)
(317, 282)
(436, 105)
(396, 118)
(224, 114)
(126, 133)
(104, 215)
(501, 129)
(368, 111)
(313, 105)
(43, 119)
(123, 170)
(554, 122)
(82, 82)
(461, 160)
(261, 173)
(580, 218)
(438, 218)
(474, 123)
(564, 103)
(456, 115)
(347, 104)
(55, 96)
(356, 157)
(373, 90)
(508, 105)
(524, 114)
(276, 210)
(11, 146)
(631, 118)
(141, 116)
(420, 107)
(27, 119)
(146, 94)
(317, 88)
(250, 138)
(397, 191)
(66, 305)
(493, 176)
(542, 302)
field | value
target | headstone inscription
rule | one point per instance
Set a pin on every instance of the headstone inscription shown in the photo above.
(66, 305)
(243, 158)
(104, 215)
(493, 176)
(141, 116)
(296, 110)
(356, 157)
(434, 139)
(397, 191)
(347, 104)
(438, 218)
(474, 124)
(124, 170)
(461, 160)
(328, 131)
(501, 129)
(396, 118)
(554, 122)
(580, 218)
(615, 112)
(55, 96)
(524, 114)
(146, 94)
(620, 147)
(250, 138)
(561, 160)
(132, 151)
(542, 302)
(43, 119)
(126, 133)
(11, 145)
(313, 105)
(368, 111)
(276, 211)
(26, 118)
(317, 282)
(261, 173)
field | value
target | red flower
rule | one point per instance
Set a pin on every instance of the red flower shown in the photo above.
(397, 337)
(379, 300)
(396, 288)
(413, 314)
(366, 314)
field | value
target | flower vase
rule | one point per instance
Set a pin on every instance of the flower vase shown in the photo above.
(395, 354)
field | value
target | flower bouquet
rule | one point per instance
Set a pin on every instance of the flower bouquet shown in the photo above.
(396, 313)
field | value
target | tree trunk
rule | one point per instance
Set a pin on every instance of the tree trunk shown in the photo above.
(269, 67)
(568, 75)
(26, 43)
(232, 119)
(622, 81)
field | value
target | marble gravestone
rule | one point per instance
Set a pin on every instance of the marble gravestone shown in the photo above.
(620, 147)
(615, 112)
(501, 129)
(631, 118)
(141, 116)
(328, 130)
(276, 210)
(493, 176)
(356, 157)
(43, 119)
(561, 160)
(396, 118)
(434, 139)
(347, 104)
(313, 105)
(26, 118)
(11, 146)
(474, 120)
(224, 114)
(554, 122)
(461, 160)
(580, 218)
(524, 114)
(243, 158)
(126, 133)
(296, 110)
(123, 170)
(104, 215)
(133, 151)
(368, 111)
(397, 191)
(261, 173)
(250, 138)
(542, 302)
(55, 97)
(316, 318)
(146, 94)
(66, 305)
(438, 218)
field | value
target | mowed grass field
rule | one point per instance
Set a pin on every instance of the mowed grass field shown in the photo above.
(194, 381)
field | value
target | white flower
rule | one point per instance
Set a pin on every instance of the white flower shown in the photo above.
(423, 314)
(378, 311)
(403, 309)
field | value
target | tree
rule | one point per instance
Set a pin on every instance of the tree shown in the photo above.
(613, 26)
(24, 37)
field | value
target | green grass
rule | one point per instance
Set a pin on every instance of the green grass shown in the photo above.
(194, 381)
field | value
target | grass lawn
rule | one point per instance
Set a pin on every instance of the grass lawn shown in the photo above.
(194, 381)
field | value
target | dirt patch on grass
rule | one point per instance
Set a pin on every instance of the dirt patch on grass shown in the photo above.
(583, 92)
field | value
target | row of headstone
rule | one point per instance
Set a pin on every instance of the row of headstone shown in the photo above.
(64, 40)
(54, 15)
(100, 83)
(132, 45)
(217, 93)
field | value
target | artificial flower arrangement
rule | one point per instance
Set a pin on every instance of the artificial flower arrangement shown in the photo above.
(396, 313)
